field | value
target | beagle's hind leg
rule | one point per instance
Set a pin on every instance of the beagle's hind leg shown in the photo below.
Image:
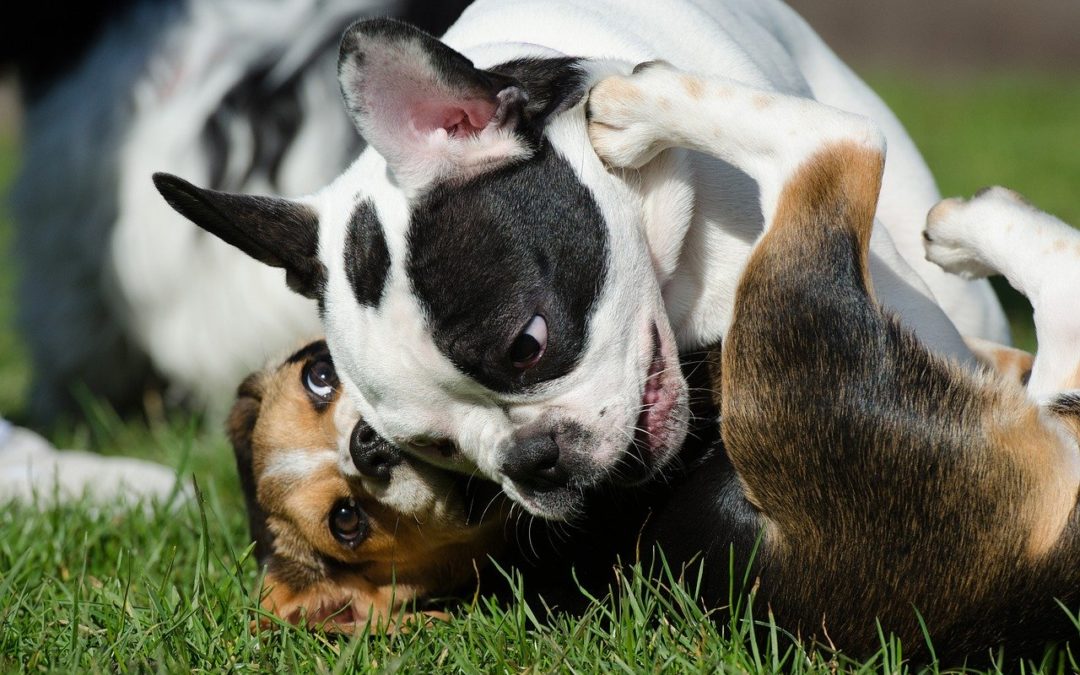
(998, 232)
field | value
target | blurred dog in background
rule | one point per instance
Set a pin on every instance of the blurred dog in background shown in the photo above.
(118, 294)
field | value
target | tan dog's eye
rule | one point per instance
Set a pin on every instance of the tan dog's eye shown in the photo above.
(320, 379)
(348, 523)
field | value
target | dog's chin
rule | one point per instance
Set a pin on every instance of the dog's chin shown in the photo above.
(657, 431)
(560, 503)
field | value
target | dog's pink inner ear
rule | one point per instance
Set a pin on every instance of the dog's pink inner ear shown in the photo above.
(424, 107)
(458, 118)
(404, 106)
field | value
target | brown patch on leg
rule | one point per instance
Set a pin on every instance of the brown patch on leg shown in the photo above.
(623, 91)
(821, 227)
(694, 87)
(1048, 464)
(1011, 363)
(943, 208)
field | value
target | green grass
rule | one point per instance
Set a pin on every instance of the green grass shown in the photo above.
(14, 373)
(1021, 131)
(1018, 131)
(170, 589)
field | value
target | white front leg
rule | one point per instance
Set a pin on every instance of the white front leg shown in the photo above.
(767, 135)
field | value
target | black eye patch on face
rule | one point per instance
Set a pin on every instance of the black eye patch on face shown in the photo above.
(317, 376)
(367, 259)
(309, 351)
(488, 255)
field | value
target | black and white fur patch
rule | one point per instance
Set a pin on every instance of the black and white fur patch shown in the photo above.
(366, 258)
(486, 256)
(479, 207)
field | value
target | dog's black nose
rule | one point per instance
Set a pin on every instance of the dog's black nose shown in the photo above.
(373, 455)
(534, 463)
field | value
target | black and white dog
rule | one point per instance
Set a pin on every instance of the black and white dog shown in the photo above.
(497, 298)
(239, 94)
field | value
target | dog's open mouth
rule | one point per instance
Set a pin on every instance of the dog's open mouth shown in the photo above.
(652, 436)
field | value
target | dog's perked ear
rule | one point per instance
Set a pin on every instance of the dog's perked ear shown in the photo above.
(424, 107)
(279, 232)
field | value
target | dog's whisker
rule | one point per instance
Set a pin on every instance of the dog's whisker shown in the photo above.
(491, 502)
(532, 544)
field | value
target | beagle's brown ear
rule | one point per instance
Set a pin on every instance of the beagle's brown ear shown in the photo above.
(240, 428)
(279, 232)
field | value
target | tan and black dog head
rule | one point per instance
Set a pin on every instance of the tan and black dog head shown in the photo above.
(344, 545)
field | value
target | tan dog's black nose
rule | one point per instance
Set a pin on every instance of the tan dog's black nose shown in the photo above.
(373, 455)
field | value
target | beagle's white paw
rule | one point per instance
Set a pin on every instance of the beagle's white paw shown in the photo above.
(960, 234)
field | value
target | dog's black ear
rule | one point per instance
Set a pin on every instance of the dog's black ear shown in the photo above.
(240, 428)
(278, 232)
(423, 106)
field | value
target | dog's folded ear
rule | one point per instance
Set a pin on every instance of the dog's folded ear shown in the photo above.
(279, 232)
(424, 107)
(240, 428)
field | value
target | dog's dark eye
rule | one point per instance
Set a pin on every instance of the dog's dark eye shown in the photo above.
(348, 523)
(320, 379)
(529, 345)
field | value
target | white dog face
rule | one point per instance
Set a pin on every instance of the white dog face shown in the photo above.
(485, 283)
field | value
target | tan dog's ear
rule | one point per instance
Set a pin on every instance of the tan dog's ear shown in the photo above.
(240, 427)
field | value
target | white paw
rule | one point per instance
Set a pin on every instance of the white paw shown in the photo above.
(626, 116)
(958, 231)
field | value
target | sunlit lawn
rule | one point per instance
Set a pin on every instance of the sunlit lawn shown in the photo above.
(169, 590)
